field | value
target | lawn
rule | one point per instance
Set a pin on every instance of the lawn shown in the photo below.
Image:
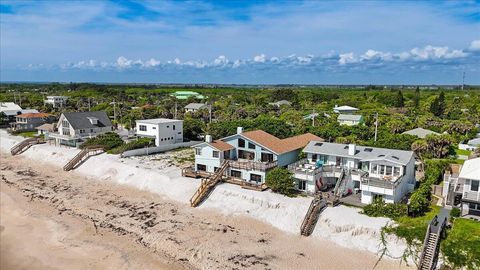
(413, 228)
(461, 248)
(462, 152)
(27, 134)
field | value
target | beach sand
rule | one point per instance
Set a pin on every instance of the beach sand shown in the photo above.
(51, 219)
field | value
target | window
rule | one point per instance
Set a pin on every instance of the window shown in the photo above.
(179, 132)
(246, 155)
(388, 170)
(82, 131)
(201, 167)
(251, 145)
(241, 143)
(198, 151)
(266, 157)
(168, 126)
(382, 170)
(154, 127)
(236, 174)
(374, 168)
(474, 186)
(173, 127)
(65, 124)
(142, 127)
(91, 130)
(314, 157)
(215, 154)
(226, 154)
(396, 171)
(161, 139)
(302, 184)
(255, 177)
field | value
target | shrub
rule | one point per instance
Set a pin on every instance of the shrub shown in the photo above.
(139, 143)
(108, 140)
(280, 180)
(455, 212)
(461, 248)
(378, 208)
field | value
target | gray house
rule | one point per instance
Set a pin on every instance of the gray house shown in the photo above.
(420, 132)
(194, 107)
(74, 127)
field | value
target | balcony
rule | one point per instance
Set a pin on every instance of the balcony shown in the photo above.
(473, 196)
(304, 170)
(249, 165)
(390, 183)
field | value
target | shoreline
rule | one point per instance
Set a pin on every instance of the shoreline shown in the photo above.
(341, 226)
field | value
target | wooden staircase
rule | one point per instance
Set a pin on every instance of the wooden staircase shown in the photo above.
(82, 155)
(313, 213)
(25, 144)
(431, 244)
(207, 185)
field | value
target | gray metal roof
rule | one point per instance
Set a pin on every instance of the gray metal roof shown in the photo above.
(364, 153)
(17, 112)
(349, 117)
(80, 120)
(420, 132)
(196, 106)
(281, 102)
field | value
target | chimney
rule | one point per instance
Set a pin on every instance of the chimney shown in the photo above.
(351, 149)
(239, 130)
(208, 138)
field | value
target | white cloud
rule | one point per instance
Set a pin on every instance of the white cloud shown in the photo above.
(123, 62)
(347, 58)
(475, 45)
(259, 58)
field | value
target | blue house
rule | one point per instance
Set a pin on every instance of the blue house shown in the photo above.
(250, 154)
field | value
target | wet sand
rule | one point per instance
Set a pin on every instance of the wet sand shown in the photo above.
(52, 219)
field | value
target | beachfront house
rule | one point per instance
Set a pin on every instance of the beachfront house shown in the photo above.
(56, 101)
(371, 171)
(250, 154)
(8, 111)
(164, 131)
(462, 189)
(30, 121)
(195, 107)
(350, 119)
(420, 132)
(344, 109)
(74, 127)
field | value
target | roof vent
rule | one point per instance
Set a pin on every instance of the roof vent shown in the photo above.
(239, 130)
(395, 157)
(368, 149)
(208, 138)
(318, 144)
(381, 155)
(93, 120)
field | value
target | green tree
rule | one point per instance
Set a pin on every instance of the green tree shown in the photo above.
(399, 102)
(192, 128)
(280, 180)
(416, 98)
(438, 105)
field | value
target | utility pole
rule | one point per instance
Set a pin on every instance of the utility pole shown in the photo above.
(175, 114)
(463, 81)
(313, 117)
(89, 105)
(210, 112)
(376, 125)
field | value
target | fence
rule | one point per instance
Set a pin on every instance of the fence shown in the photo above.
(157, 149)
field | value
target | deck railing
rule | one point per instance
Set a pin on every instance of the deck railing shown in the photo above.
(252, 165)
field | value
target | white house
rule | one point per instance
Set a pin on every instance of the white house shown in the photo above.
(471, 145)
(74, 127)
(375, 172)
(463, 190)
(195, 107)
(56, 101)
(345, 109)
(250, 154)
(165, 131)
(350, 119)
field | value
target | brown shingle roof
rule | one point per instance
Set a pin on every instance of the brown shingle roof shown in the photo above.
(47, 127)
(33, 115)
(277, 145)
(221, 145)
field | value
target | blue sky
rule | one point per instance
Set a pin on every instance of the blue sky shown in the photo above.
(241, 41)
